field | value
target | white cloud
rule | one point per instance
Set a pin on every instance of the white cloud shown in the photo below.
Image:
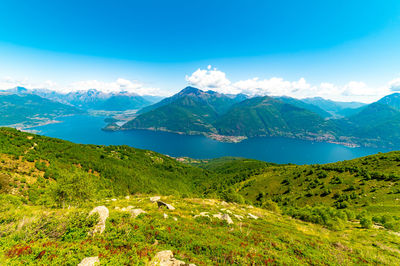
(352, 91)
(394, 85)
(114, 86)
(211, 79)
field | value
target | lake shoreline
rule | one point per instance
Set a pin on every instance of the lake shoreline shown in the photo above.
(85, 129)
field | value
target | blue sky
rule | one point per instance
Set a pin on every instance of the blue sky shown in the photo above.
(157, 45)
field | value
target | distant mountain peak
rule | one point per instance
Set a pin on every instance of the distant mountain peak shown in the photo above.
(190, 90)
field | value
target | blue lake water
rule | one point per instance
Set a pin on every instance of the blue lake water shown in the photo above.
(87, 130)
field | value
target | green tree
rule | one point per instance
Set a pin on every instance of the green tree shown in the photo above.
(366, 222)
(73, 187)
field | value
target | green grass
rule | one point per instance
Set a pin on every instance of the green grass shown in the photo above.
(343, 213)
(61, 236)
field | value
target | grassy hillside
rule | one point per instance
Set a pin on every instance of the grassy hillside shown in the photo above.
(270, 117)
(187, 114)
(344, 213)
(375, 125)
(367, 187)
(35, 164)
(37, 235)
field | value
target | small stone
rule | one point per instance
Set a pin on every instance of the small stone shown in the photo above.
(165, 216)
(90, 261)
(239, 217)
(127, 197)
(252, 216)
(175, 219)
(113, 199)
(137, 212)
(163, 204)
(203, 214)
(224, 217)
(227, 218)
(155, 199)
(166, 258)
(218, 215)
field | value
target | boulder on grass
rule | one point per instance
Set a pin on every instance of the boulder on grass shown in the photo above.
(136, 212)
(163, 204)
(155, 199)
(166, 258)
(103, 215)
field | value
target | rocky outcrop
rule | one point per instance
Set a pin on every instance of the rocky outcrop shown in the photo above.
(166, 258)
(90, 261)
(103, 215)
(163, 204)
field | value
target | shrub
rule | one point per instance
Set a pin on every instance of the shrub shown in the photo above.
(270, 205)
(72, 187)
(327, 216)
(366, 222)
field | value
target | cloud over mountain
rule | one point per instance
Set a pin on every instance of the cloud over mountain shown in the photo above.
(214, 79)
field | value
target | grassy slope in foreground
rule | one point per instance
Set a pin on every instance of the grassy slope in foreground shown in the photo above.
(45, 174)
(39, 235)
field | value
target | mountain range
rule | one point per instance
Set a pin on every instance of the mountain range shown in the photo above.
(220, 116)
(31, 110)
(92, 99)
(233, 118)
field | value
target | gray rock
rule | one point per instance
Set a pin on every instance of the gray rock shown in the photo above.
(103, 215)
(224, 217)
(166, 258)
(155, 199)
(202, 214)
(239, 217)
(252, 216)
(163, 204)
(137, 212)
(227, 218)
